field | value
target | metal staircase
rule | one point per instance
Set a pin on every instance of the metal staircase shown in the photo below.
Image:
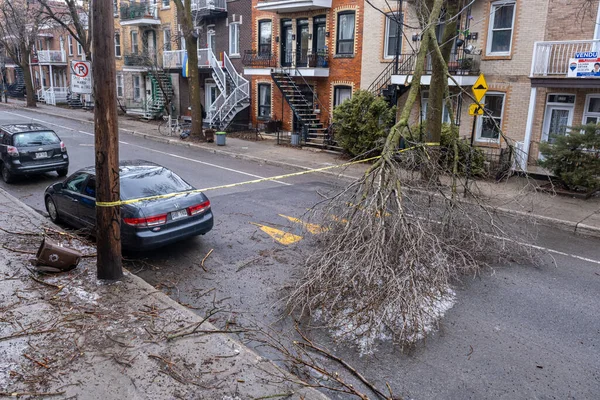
(382, 85)
(234, 93)
(74, 100)
(17, 89)
(315, 134)
(162, 93)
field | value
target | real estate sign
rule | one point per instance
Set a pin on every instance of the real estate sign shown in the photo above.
(81, 77)
(585, 64)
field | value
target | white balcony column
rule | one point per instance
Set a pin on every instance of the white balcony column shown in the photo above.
(529, 128)
(51, 79)
(42, 78)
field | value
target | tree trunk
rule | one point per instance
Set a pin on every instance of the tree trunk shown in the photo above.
(29, 87)
(108, 218)
(191, 42)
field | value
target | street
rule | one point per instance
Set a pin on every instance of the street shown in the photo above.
(515, 332)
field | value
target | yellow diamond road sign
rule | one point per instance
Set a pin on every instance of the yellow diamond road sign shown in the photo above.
(476, 109)
(479, 88)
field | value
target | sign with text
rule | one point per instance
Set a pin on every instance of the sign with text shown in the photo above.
(81, 77)
(585, 64)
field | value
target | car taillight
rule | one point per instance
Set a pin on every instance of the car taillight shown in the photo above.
(147, 222)
(12, 151)
(63, 147)
(197, 209)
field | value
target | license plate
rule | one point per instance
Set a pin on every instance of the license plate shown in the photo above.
(43, 154)
(178, 214)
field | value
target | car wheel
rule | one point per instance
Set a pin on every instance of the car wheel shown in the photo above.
(7, 176)
(62, 172)
(52, 210)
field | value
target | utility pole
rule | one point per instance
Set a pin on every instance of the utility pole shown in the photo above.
(108, 218)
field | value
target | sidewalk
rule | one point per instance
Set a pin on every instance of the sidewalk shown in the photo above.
(514, 196)
(69, 336)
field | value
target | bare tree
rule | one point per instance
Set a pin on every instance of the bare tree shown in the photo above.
(184, 12)
(75, 17)
(19, 24)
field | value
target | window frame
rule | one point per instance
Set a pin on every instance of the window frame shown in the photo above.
(236, 36)
(134, 43)
(166, 6)
(120, 85)
(117, 44)
(259, 37)
(336, 88)
(480, 120)
(490, 34)
(258, 104)
(79, 49)
(386, 37)
(445, 113)
(70, 44)
(590, 114)
(339, 41)
(167, 44)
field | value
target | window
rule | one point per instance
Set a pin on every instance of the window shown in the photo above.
(264, 38)
(234, 39)
(341, 94)
(79, 49)
(488, 127)
(502, 18)
(167, 39)
(75, 184)
(40, 44)
(115, 8)
(137, 93)
(70, 43)
(591, 114)
(134, 42)
(166, 3)
(264, 101)
(90, 188)
(345, 33)
(119, 85)
(425, 107)
(117, 44)
(393, 34)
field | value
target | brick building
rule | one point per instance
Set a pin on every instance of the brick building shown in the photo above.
(306, 58)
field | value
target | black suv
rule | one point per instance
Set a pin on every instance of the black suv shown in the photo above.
(31, 149)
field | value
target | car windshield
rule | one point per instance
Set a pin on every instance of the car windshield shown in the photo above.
(35, 139)
(152, 182)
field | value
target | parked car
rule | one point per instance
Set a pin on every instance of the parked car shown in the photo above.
(145, 224)
(31, 149)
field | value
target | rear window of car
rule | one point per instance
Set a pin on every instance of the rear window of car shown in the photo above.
(40, 138)
(153, 182)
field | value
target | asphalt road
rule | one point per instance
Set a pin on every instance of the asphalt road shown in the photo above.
(515, 332)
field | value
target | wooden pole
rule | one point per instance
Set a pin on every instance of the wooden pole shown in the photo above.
(108, 219)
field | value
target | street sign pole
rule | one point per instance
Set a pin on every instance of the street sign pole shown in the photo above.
(479, 89)
(470, 155)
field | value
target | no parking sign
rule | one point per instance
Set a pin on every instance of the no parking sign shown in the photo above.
(81, 77)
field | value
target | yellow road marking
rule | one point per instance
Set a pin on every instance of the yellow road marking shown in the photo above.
(312, 228)
(282, 237)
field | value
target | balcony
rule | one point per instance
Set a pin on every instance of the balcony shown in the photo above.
(51, 57)
(139, 14)
(211, 8)
(289, 6)
(297, 63)
(463, 67)
(145, 60)
(174, 59)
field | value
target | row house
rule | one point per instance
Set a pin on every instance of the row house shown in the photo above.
(151, 59)
(305, 59)
(534, 91)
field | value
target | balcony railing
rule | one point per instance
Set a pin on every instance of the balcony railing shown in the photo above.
(255, 59)
(174, 58)
(51, 56)
(140, 59)
(209, 5)
(304, 59)
(132, 11)
(552, 58)
(459, 63)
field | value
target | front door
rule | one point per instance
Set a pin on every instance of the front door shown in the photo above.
(556, 122)
(211, 39)
(150, 45)
(287, 34)
(211, 94)
(148, 88)
(302, 43)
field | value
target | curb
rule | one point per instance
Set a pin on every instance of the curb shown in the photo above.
(574, 227)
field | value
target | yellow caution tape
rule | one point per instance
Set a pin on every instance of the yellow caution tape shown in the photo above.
(272, 178)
